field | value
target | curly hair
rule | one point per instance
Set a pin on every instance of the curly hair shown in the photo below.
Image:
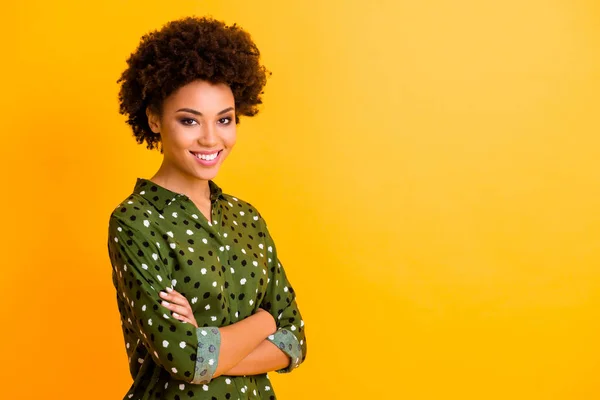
(180, 52)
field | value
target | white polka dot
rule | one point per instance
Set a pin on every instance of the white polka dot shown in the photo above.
(172, 245)
(228, 381)
(144, 266)
(174, 370)
(194, 300)
(205, 388)
(207, 307)
(174, 215)
(181, 386)
(146, 223)
(182, 345)
(165, 343)
(189, 232)
(203, 332)
(155, 256)
(243, 281)
(204, 241)
(214, 284)
(150, 322)
(203, 271)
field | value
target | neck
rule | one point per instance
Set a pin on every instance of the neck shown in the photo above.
(179, 182)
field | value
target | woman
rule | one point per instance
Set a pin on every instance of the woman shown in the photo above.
(205, 305)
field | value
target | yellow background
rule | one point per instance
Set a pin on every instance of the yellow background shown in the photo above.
(430, 175)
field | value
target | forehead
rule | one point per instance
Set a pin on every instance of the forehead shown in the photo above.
(202, 96)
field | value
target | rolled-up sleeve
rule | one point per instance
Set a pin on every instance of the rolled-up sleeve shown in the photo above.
(280, 301)
(188, 353)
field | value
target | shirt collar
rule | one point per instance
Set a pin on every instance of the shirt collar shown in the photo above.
(161, 197)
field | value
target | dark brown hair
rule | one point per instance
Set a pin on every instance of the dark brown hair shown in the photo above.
(181, 52)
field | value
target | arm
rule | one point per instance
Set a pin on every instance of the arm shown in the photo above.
(264, 358)
(239, 340)
(280, 301)
(141, 271)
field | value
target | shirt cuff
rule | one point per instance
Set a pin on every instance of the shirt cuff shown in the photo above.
(288, 343)
(207, 355)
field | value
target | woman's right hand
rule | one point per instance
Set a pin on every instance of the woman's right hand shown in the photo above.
(179, 306)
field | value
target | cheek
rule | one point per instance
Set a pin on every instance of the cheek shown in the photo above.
(179, 138)
(230, 138)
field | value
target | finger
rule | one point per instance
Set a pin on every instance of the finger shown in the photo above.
(185, 311)
(174, 297)
(182, 318)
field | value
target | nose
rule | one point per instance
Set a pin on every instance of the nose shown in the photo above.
(207, 136)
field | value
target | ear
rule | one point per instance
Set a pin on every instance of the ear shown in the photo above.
(153, 120)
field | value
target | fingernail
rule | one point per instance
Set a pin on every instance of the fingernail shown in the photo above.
(169, 289)
(164, 303)
(176, 315)
(163, 294)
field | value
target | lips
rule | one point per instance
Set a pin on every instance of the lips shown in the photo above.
(206, 155)
(207, 158)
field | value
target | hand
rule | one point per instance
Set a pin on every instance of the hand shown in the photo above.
(178, 305)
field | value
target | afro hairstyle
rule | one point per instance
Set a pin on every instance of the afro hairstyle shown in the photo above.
(180, 52)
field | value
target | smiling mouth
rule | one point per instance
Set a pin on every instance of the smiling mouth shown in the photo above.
(206, 156)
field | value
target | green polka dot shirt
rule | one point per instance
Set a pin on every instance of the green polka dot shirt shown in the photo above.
(226, 268)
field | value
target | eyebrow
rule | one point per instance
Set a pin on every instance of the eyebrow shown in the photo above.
(191, 110)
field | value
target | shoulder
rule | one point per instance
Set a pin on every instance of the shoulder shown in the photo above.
(133, 212)
(240, 206)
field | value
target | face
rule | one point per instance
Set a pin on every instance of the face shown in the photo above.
(197, 128)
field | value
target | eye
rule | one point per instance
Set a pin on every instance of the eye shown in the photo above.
(225, 120)
(187, 121)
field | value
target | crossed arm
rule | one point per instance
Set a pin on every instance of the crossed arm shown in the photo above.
(244, 348)
(271, 339)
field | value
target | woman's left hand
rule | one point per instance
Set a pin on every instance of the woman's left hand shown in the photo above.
(179, 306)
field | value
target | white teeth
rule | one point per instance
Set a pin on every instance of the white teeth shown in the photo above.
(207, 157)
